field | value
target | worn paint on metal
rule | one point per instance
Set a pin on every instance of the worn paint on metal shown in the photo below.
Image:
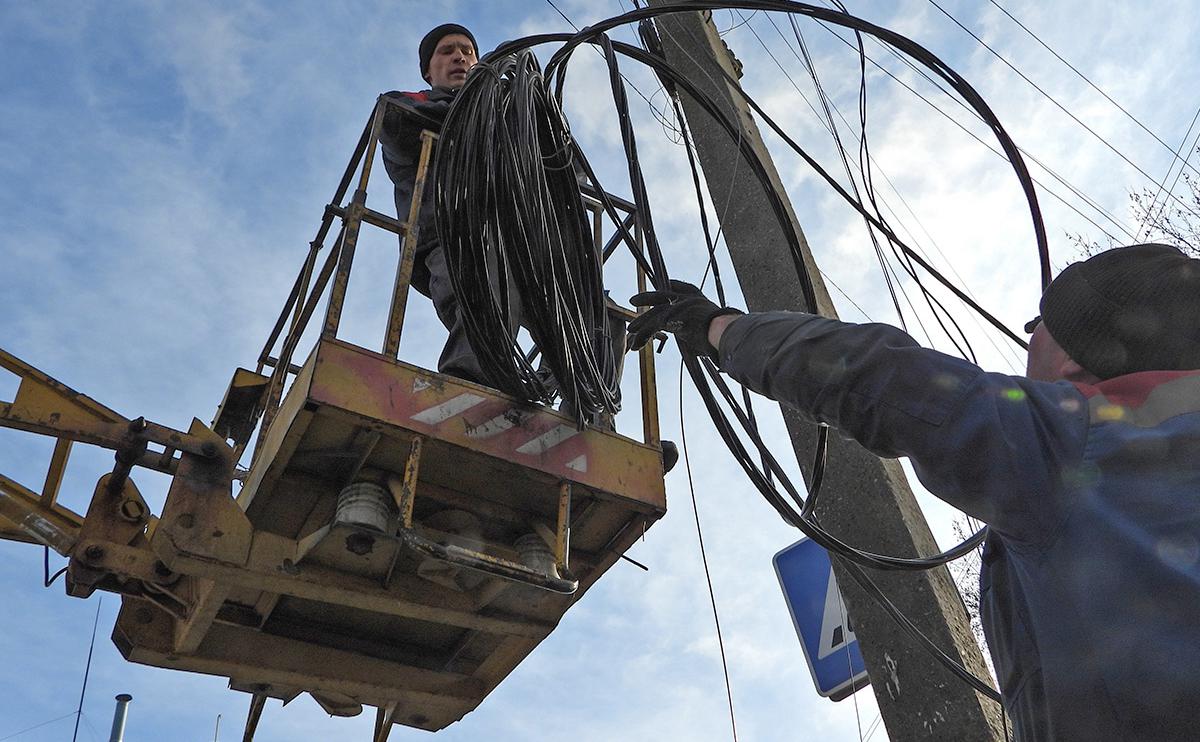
(359, 381)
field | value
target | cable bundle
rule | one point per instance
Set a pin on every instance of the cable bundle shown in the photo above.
(795, 509)
(518, 244)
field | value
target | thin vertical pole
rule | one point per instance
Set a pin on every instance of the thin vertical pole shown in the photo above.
(119, 715)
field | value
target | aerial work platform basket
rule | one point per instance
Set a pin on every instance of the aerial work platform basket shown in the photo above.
(402, 539)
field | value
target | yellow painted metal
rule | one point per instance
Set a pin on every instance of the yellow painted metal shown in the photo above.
(54, 475)
(54, 526)
(267, 589)
(406, 497)
(391, 345)
(46, 406)
(352, 222)
(244, 398)
(562, 536)
(649, 387)
(200, 516)
(375, 388)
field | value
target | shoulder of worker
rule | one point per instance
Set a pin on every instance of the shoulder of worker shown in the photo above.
(421, 109)
(423, 96)
(402, 125)
(1145, 399)
(424, 100)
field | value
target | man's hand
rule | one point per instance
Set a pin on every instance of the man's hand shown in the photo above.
(682, 310)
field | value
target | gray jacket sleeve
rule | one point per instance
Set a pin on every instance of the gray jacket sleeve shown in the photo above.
(994, 446)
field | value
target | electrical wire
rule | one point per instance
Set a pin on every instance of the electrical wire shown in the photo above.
(1149, 218)
(888, 272)
(1049, 171)
(47, 580)
(507, 97)
(1058, 105)
(902, 43)
(939, 312)
(87, 670)
(1093, 85)
(662, 119)
(687, 463)
(36, 726)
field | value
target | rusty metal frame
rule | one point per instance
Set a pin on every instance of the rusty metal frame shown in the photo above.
(182, 567)
(46, 406)
(306, 293)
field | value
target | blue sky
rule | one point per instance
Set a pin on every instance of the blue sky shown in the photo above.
(164, 165)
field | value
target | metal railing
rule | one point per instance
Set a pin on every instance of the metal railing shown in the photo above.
(312, 283)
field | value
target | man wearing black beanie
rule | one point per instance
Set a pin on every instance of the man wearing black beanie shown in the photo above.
(1086, 470)
(446, 55)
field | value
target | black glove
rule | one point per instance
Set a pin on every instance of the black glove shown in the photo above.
(682, 310)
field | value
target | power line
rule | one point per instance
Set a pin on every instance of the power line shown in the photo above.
(1067, 184)
(891, 279)
(36, 726)
(687, 463)
(1049, 171)
(869, 159)
(662, 118)
(1147, 217)
(831, 126)
(87, 671)
(1094, 86)
(1053, 100)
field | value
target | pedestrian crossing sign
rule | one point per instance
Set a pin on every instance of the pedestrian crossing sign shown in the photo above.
(819, 615)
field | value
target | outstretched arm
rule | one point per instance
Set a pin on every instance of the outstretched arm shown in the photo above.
(993, 445)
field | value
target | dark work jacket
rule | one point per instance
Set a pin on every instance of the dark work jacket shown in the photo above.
(400, 140)
(1090, 584)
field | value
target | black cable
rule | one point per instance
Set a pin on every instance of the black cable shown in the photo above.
(512, 223)
(888, 273)
(556, 68)
(909, 47)
(940, 314)
(47, 580)
(867, 584)
(791, 516)
(1052, 173)
(87, 670)
(687, 463)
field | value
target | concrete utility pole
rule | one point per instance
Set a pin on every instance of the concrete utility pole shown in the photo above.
(865, 500)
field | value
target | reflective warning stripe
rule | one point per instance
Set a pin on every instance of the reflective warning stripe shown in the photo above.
(548, 440)
(448, 409)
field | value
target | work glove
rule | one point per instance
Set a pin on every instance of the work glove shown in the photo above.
(682, 310)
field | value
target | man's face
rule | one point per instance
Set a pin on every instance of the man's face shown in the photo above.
(1049, 362)
(1046, 356)
(453, 57)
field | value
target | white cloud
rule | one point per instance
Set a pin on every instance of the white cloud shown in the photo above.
(160, 192)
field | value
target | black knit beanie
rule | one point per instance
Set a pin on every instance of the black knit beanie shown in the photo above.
(1129, 309)
(430, 42)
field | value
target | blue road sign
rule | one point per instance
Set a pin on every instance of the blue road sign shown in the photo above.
(819, 615)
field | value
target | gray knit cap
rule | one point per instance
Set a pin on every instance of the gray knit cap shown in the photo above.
(1129, 309)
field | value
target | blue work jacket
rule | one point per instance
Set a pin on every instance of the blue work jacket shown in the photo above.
(1090, 583)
